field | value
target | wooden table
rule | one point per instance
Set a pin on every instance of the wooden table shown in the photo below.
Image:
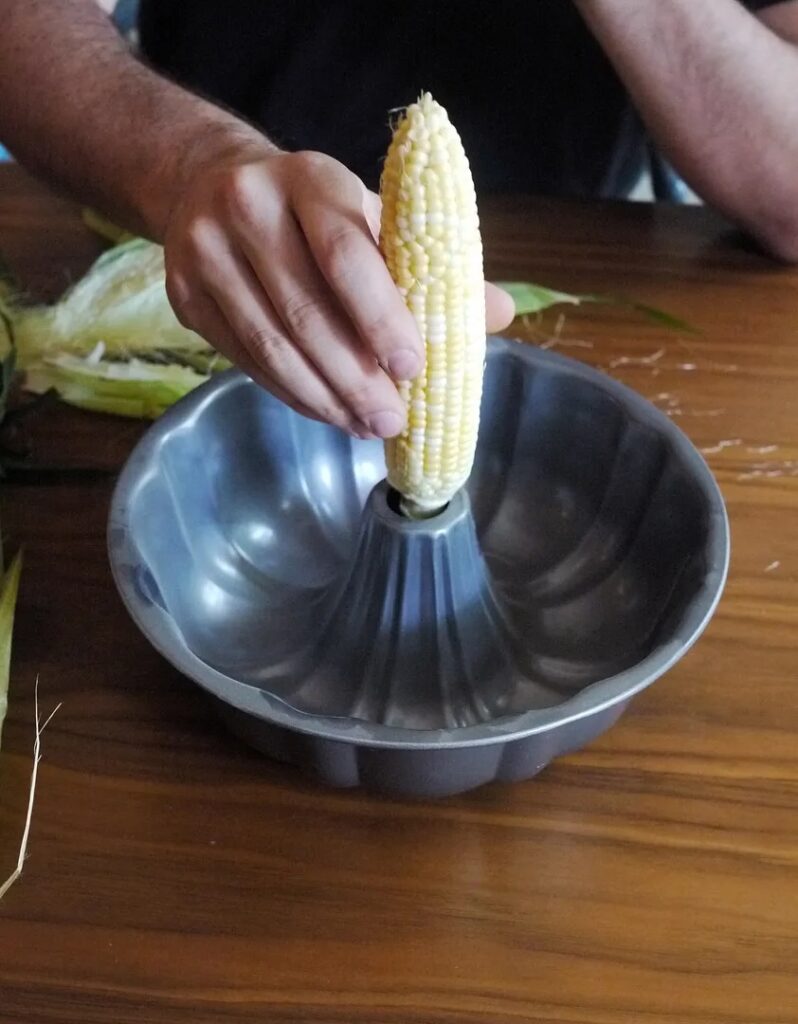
(175, 876)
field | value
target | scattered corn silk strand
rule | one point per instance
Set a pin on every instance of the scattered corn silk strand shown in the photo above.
(774, 470)
(715, 449)
(666, 400)
(555, 339)
(637, 360)
(671, 405)
(37, 756)
(698, 413)
(9, 588)
(706, 360)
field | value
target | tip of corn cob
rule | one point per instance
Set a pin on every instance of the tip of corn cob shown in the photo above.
(431, 243)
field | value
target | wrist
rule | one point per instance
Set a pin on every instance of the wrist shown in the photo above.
(211, 144)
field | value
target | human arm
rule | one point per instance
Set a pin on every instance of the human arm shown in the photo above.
(716, 87)
(270, 255)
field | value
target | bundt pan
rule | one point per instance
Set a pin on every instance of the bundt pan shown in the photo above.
(262, 554)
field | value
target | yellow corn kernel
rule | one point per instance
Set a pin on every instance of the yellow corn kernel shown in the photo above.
(430, 239)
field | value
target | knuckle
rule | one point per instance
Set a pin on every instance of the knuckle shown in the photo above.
(341, 254)
(200, 238)
(361, 396)
(334, 414)
(314, 177)
(380, 329)
(310, 165)
(269, 347)
(303, 313)
(239, 192)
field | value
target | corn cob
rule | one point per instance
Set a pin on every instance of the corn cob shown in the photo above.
(430, 239)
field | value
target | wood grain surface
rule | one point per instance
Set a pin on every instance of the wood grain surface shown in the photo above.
(174, 876)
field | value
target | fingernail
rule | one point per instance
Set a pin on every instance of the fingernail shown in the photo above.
(362, 435)
(384, 424)
(404, 364)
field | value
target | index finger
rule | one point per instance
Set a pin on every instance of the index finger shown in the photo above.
(333, 220)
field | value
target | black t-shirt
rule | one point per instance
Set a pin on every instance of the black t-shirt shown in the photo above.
(538, 105)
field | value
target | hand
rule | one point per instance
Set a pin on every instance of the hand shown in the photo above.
(273, 258)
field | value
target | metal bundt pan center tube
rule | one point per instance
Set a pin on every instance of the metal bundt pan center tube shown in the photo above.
(261, 553)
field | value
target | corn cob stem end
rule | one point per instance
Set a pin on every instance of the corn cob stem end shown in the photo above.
(411, 510)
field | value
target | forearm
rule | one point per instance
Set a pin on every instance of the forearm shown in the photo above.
(78, 109)
(714, 86)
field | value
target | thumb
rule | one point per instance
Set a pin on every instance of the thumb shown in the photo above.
(499, 308)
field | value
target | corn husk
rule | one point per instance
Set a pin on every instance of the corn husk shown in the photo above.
(105, 228)
(121, 301)
(9, 587)
(112, 343)
(133, 388)
(531, 298)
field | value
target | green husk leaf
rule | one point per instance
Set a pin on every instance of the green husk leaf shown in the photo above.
(532, 298)
(7, 370)
(9, 587)
(105, 228)
(134, 388)
(658, 316)
(199, 361)
(121, 301)
(7, 286)
(112, 343)
(6, 321)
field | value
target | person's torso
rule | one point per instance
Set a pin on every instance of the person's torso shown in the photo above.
(537, 103)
